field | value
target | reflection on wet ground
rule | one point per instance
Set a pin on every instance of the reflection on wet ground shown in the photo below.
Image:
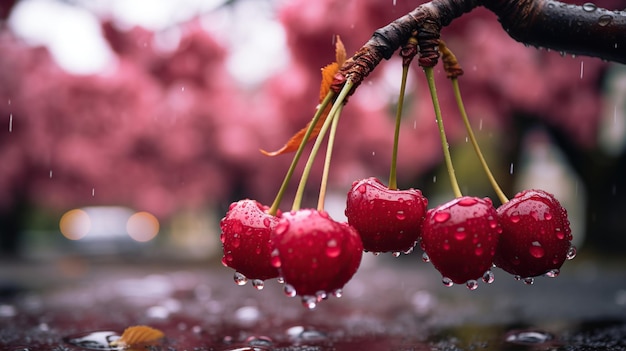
(390, 305)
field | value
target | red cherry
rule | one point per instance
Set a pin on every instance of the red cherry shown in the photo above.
(246, 233)
(536, 235)
(460, 239)
(316, 256)
(387, 220)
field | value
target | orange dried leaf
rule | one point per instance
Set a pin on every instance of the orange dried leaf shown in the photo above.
(138, 334)
(328, 74)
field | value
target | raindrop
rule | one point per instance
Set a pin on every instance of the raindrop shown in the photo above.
(396, 254)
(280, 280)
(460, 233)
(309, 301)
(553, 273)
(604, 20)
(441, 217)
(528, 280)
(447, 281)
(434, 179)
(536, 250)
(515, 217)
(425, 257)
(361, 189)
(257, 284)
(511, 168)
(488, 277)
(93, 192)
(467, 201)
(10, 123)
(332, 249)
(589, 7)
(559, 234)
(337, 293)
(571, 253)
(582, 68)
(275, 259)
(50, 174)
(289, 290)
(528, 337)
(472, 284)
(240, 279)
(480, 124)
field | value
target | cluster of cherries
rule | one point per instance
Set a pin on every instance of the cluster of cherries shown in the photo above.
(315, 256)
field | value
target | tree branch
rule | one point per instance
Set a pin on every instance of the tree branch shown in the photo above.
(583, 30)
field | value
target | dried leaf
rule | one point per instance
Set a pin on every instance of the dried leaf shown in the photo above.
(138, 334)
(328, 74)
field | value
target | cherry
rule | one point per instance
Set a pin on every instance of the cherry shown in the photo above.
(536, 235)
(387, 220)
(460, 238)
(246, 241)
(315, 254)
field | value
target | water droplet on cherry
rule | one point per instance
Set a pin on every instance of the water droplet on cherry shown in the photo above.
(281, 228)
(460, 233)
(536, 250)
(468, 201)
(240, 279)
(396, 254)
(488, 277)
(553, 273)
(258, 284)
(309, 301)
(289, 290)
(515, 217)
(425, 257)
(441, 217)
(266, 222)
(447, 281)
(400, 215)
(337, 293)
(472, 284)
(362, 189)
(571, 253)
(275, 259)
(547, 216)
(332, 249)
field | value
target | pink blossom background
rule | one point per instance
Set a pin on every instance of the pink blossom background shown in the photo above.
(165, 131)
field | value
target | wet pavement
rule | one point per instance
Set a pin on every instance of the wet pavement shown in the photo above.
(391, 304)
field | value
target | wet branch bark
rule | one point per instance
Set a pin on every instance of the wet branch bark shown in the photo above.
(581, 30)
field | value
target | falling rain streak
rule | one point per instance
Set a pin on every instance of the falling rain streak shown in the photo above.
(511, 168)
(10, 123)
(582, 69)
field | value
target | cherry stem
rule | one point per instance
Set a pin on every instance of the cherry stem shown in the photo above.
(393, 181)
(442, 133)
(318, 141)
(283, 188)
(329, 151)
(470, 133)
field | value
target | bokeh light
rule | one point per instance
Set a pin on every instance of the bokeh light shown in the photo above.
(142, 226)
(75, 224)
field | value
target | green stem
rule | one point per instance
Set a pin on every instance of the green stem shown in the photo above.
(470, 133)
(329, 152)
(393, 181)
(283, 188)
(444, 141)
(318, 141)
